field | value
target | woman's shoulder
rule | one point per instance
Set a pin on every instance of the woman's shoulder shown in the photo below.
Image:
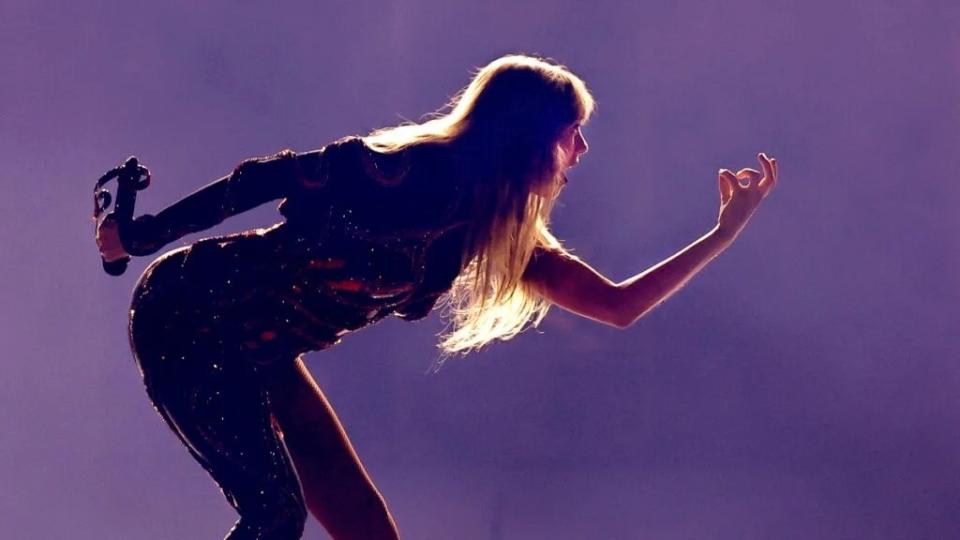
(419, 184)
(420, 167)
(351, 157)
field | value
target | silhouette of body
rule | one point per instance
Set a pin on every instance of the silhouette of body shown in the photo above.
(366, 236)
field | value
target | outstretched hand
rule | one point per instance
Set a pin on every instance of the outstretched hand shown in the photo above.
(738, 201)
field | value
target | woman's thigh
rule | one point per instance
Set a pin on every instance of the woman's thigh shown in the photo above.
(213, 398)
(219, 409)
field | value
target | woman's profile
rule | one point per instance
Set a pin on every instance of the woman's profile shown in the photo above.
(454, 210)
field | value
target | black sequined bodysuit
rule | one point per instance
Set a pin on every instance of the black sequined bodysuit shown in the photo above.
(366, 236)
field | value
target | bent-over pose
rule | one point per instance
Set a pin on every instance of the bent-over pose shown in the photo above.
(454, 208)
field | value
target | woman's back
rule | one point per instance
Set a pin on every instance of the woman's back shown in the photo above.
(366, 236)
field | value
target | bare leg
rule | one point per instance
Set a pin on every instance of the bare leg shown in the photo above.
(337, 489)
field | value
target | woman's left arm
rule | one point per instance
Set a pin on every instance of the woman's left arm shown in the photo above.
(572, 284)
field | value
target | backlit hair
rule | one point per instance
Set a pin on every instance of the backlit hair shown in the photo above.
(504, 126)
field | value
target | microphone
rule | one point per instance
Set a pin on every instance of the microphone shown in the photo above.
(131, 178)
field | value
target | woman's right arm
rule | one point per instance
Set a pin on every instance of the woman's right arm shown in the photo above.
(252, 183)
(574, 285)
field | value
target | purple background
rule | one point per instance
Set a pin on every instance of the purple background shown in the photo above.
(804, 385)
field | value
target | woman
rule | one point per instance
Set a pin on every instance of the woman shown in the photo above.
(455, 207)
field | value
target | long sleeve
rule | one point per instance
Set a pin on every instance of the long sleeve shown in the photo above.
(252, 183)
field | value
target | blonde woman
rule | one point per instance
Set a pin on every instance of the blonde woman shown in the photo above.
(453, 209)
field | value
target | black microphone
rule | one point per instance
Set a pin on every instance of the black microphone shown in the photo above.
(131, 178)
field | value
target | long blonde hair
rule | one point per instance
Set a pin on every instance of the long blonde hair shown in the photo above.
(504, 128)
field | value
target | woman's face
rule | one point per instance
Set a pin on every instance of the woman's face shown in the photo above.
(572, 145)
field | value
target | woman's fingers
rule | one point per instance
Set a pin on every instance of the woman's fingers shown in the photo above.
(731, 178)
(726, 187)
(776, 174)
(108, 240)
(752, 176)
(768, 173)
